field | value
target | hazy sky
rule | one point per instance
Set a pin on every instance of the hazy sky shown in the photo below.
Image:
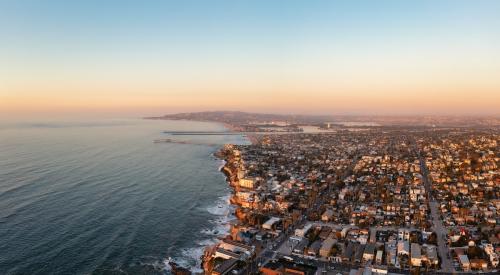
(328, 57)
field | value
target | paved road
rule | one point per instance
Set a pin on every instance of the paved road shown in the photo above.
(437, 223)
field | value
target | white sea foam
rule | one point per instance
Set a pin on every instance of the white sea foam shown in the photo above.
(219, 227)
(221, 207)
(223, 162)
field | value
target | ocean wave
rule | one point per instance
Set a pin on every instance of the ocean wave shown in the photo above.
(223, 163)
(219, 227)
(221, 207)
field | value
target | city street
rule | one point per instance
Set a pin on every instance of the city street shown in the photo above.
(437, 223)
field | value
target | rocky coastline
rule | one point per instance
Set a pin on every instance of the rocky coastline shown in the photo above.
(230, 155)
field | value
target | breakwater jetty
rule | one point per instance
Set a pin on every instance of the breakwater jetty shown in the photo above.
(203, 133)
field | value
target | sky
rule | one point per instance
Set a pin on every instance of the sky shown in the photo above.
(310, 57)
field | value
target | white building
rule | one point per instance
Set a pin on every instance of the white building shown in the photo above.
(247, 183)
(301, 232)
(403, 234)
(269, 224)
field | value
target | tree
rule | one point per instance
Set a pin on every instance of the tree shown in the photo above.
(462, 241)
(334, 251)
(474, 252)
(432, 239)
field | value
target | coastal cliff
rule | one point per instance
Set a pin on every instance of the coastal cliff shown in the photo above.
(231, 155)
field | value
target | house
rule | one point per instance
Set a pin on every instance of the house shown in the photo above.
(378, 270)
(229, 249)
(226, 254)
(464, 262)
(271, 268)
(493, 256)
(344, 232)
(295, 239)
(271, 223)
(369, 253)
(358, 255)
(403, 234)
(349, 251)
(225, 267)
(247, 183)
(313, 249)
(301, 232)
(478, 264)
(236, 246)
(362, 239)
(299, 248)
(283, 267)
(431, 255)
(298, 269)
(403, 248)
(327, 215)
(391, 252)
(416, 255)
(378, 257)
(326, 247)
(325, 232)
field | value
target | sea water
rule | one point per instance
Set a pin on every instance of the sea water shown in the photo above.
(100, 197)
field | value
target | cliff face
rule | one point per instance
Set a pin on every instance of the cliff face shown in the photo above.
(233, 165)
(228, 172)
(178, 270)
(207, 263)
(240, 214)
(230, 155)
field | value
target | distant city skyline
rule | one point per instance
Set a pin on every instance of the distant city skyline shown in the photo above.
(307, 57)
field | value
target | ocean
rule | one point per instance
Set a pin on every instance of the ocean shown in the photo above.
(100, 197)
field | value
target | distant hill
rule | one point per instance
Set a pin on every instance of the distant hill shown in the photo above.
(245, 118)
(240, 118)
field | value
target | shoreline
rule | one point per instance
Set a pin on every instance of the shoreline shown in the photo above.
(228, 156)
(220, 228)
(225, 154)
